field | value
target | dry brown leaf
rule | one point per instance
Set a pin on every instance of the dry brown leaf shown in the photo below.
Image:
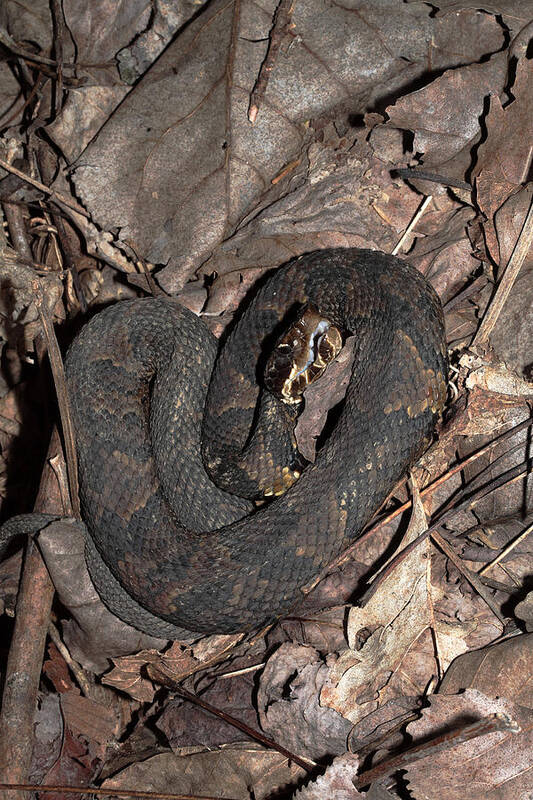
(100, 49)
(444, 115)
(178, 164)
(48, 736)
(288, 704)
(503, 160)
(187, 725)
(504, 669)
(25, 24)
(126, 675)
(96, 722)
(342, 200)
(232, 772)
(516, 13)
(391, 623)
(497, 766)
(336, 782)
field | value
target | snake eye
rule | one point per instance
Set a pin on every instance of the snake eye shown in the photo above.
(283, 347)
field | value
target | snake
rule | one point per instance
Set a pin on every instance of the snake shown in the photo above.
(201, 514)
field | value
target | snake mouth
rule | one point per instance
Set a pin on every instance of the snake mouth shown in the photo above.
(301, 355)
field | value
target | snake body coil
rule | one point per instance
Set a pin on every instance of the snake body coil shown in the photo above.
(169, 549)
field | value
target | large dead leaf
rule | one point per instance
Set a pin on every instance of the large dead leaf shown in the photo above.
(503, 163)
(178, 164)
(288, 703)
(502, 670)
(389, 625)
(445, 114)
(233, 772)
(497, 766)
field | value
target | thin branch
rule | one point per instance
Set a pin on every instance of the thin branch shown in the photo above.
(520, 251)
(60, 383)
(470, 576)
(414, 221)
(280, 29)
(59, 35)
(57, 196)
(161, 677)
(466, 499)
(24, 664)
(35, 58)
(506, 550)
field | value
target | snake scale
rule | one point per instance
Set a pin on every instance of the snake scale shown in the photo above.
(158, 410)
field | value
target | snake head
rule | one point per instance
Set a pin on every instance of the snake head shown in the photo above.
(301, 355)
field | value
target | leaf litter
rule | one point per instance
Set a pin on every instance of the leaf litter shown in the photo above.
(371, 113)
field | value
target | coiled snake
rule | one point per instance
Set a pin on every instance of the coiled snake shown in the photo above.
(167, 547)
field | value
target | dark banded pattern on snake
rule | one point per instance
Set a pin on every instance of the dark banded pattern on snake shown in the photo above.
(189, 552)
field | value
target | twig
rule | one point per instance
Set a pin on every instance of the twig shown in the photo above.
(520, 251)
(58, 372)
(79, 673)
(506, 550)
(58, 197)
(470, 576)
(23, 671)
(47, 163)
(439, 744)
(142, 266)
(281, 27)
(412, 224)
(161, 677)
(11, 45)
(59, 35)
(39, 81)
(459, 467)
(35, 58)
(14, 214)
(472, 497)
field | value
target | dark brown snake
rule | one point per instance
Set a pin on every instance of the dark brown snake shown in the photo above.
(167, 548)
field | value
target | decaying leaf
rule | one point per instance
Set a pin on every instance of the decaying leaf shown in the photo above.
(126, 675)
(504, 158)
(504, 669)
(337, 781)
(288, 703)
(497, 766)
(445, 114)
(178, 165)
(381, 634)
(235, 771)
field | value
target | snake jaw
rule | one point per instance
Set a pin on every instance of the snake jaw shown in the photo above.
(301, 356)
